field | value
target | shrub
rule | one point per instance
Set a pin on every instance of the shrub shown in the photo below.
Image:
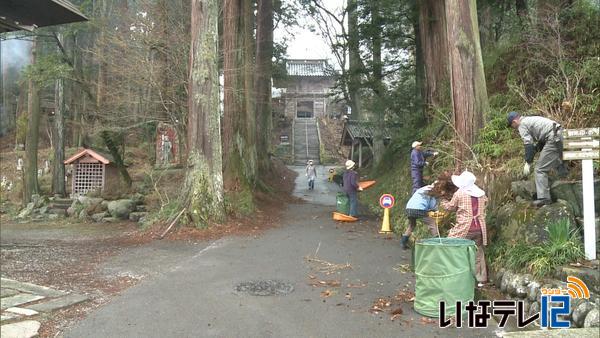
(563, 246)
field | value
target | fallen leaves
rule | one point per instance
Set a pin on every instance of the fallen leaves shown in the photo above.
(359, 285)
(396, 313)
(425, 320)
(380, 305)
(325, 266)
(403, 268)
(328, 282)
(327, 293)
(405, 296)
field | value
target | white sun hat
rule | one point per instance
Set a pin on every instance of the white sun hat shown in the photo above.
(466, 183)
(416, 143)
(350, 164)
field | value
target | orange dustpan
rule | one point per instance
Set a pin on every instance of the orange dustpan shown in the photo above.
(343, 218)
(366, 184)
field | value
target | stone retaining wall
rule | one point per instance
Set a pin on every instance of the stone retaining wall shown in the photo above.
(583, 313)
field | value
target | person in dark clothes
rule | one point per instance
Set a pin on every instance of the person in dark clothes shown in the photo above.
(417, 163)
(351, 187)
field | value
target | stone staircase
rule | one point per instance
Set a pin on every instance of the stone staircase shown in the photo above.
(59, 206)
(306, 141)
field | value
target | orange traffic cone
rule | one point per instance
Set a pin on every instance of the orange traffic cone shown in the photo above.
(385, 225)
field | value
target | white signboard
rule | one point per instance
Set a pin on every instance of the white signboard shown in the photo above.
(586, 132)
(581, 155)
(581, 144)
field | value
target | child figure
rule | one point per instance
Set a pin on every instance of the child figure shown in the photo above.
(311, 174)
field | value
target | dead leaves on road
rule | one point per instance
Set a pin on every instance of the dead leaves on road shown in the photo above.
(328, 282)
(326, 267)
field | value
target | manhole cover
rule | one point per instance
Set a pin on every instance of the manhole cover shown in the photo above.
(265, 287)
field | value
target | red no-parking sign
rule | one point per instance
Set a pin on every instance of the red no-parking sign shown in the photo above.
(386, 201)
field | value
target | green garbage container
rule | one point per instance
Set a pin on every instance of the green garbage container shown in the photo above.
(342, 203)
(445, 270)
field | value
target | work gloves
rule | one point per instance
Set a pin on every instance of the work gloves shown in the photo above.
(526, 169)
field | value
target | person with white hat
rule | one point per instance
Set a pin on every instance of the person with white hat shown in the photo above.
(351, 187)
(469, 202)
(311, 174)
(417, 162)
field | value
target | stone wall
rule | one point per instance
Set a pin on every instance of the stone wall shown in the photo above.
(583, 312)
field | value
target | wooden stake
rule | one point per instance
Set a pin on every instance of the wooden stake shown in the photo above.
(172, 223)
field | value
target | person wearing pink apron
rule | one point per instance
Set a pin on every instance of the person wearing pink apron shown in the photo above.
(469, 202)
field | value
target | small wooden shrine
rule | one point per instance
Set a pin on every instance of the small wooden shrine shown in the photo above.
(92, 171)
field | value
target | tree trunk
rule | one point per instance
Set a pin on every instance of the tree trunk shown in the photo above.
(237, 162)
(379, 105)
(354, 61)
(467, 79)
(31, 143)
(248, 20)
(203, 191)
(58, 172)
(264, 54)
(522, 12)
(432, 29)
(419, 62)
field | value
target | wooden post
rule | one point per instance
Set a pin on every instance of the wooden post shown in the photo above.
(589, 220)
(352, 151)
(360, 154)
(583, 144)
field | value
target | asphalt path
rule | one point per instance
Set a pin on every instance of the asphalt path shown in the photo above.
(196, 295)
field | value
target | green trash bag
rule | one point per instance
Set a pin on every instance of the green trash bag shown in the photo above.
(445, 270)
(342, 203)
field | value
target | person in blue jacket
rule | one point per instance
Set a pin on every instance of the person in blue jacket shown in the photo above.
(421, 202)
(417, 163)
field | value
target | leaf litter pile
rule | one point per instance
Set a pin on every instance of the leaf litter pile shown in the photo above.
(392, 305)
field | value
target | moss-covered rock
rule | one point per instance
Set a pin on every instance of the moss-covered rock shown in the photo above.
(516, 221)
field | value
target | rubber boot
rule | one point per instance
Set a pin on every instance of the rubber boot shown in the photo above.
(404, 242)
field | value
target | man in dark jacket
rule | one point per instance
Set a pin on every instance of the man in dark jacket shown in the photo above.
(417, 162)
(543, 135)
(351, 187)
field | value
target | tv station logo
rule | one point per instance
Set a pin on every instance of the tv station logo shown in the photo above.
(554, 302)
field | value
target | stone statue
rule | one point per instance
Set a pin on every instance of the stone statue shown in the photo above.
(165, 147)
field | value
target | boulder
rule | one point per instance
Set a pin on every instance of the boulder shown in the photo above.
(27, 211)
(83, 215)
(569, 192)
(497, 277)
(534, 231)
(136, 216)
(592, 319)
(506, 279)
(109, 220)
(516, 286)
(121, 208)
(581, 312)
(43, 210)
(91, 204)
(99, 216)
(137, 198)
(533, 291)
(38, 201)
(523, 189)
(533, 309)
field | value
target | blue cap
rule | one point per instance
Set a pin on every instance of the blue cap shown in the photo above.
(511, 116)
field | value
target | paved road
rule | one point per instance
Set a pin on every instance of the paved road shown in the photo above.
(197, 296)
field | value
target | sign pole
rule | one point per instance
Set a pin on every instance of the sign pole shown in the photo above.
(583, 144)
(589, 220)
